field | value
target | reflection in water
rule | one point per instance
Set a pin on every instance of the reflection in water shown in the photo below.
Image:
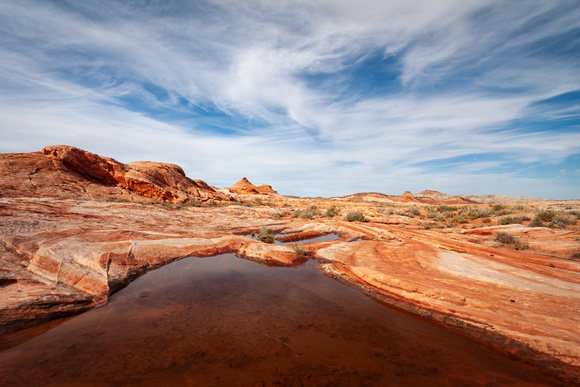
(227, 321)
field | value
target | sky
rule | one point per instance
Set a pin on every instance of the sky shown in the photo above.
(316, 98)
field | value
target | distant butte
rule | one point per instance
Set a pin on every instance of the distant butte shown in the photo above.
(245, 187)
(76, 227)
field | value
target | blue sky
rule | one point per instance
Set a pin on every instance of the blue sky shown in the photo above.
(316, 98)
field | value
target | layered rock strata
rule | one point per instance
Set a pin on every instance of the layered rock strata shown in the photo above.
(64, 253)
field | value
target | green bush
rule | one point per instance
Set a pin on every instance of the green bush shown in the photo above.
(356, 216)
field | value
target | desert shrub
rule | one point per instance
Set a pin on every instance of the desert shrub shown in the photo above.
(575, 257)
(331, 212)
(459, 219)
(430, 225)
(436, 216)
(545, 215)
(300, 250)
(309, 213)
(500, 209)
(446, 208)
(357, 216)
(512, 220)
(536, 223)
(486, 220)
(280, 215)
(302, 214)
(189, 204)
(414, 211)
(476, 213)
(114, 200)
(562, 219)
(507, 239)
(266, 234)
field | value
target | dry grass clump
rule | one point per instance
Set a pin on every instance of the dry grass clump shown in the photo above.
(356, 216)
(266, 234)
(309, 213)
(507, 239)
(553, 219)
(331, 211)
(300, 250)
(512, 220)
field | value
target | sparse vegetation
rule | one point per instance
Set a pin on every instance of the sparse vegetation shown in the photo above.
(508, 239)
(500, 209)
(331, 212)
(555, 219)
(445, 208)
(309, 213)
(436, 216)
(356, 216)
(118, 200)
(512, 220)
(266, 234)
(300, 250)
(478, 212)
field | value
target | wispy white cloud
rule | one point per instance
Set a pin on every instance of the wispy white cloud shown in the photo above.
(265, 89)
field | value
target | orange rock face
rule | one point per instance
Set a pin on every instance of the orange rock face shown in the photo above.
(158, 181)
(65, 248)
(245, 187)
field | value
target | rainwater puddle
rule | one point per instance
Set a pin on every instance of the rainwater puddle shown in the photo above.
(225, 321)
(328, 237)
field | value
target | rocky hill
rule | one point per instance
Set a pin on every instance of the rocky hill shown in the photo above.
(245, 187)
(62, 171)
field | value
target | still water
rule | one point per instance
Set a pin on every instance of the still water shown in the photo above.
(225, 321)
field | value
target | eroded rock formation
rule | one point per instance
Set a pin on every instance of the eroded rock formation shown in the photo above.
(65, 248)
(245, 187)
(66, 172)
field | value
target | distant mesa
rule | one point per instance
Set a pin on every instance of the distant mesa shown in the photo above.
(429, 192)
(69, 172)
(245, 187)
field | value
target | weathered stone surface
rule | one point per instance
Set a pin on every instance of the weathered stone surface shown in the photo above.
(245, 187)
(64, 249)
(66, 172)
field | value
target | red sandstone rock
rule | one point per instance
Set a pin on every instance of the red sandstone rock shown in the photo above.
(61, 256)
(159, 181)
(245, 187)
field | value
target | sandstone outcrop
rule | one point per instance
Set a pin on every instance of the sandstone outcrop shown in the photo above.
(66, 172)
(245, 187)
(65, 249)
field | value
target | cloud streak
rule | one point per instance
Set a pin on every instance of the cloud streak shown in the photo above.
(315, 98)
